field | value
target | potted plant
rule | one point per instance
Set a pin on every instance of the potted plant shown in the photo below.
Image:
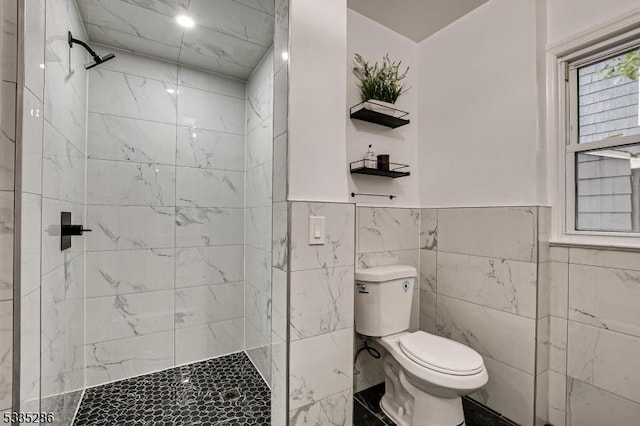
(381, 83)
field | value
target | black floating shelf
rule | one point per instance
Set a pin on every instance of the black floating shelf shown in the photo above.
(396, 170)
(382, 114)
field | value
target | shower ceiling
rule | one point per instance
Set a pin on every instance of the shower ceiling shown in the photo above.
(230, 36)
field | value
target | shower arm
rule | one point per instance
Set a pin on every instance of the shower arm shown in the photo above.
(72, 40)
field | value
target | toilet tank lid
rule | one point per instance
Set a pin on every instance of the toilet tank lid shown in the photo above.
(385, 273)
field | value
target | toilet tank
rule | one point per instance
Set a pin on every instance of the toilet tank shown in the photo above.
(383, 299)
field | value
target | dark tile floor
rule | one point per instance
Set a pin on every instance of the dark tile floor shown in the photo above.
(189, 395)
(367, 411)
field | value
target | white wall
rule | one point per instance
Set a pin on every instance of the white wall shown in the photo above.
(317, 108)
(478, 107)
(569, 18)
(373, 41)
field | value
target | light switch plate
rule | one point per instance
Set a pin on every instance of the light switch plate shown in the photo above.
(316, 230)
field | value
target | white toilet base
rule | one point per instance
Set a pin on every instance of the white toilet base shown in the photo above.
(407, 405)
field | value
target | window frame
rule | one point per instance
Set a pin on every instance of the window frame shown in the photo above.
(567, 60)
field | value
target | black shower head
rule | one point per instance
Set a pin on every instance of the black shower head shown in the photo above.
(97, 60)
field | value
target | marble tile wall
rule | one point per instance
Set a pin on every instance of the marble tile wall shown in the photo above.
(594, 337)
(478, 286)
(385, 236)
(8, 41)
(165, 198)
(321, 319)
(258, 215)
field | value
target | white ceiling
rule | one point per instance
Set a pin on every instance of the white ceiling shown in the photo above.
(414, 19)
(230, 36)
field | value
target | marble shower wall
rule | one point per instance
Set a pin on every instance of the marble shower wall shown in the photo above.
(280, 217)
(594, 343)
(258, 215)
(321, 315)
(479, 284)
(385, 236)
(165, 200)
(8, 43)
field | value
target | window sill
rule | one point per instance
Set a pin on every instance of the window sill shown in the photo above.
(597, 242)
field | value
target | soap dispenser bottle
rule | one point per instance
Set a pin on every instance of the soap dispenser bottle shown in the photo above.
(370, 160)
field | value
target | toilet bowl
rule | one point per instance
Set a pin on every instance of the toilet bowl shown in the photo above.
(425, 375)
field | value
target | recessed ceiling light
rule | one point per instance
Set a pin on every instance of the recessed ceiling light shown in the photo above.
(285, 55)
(185, 21)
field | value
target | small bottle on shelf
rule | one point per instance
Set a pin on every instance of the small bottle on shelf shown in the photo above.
(370, 159)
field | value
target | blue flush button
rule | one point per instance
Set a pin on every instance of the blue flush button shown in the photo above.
(405, 286)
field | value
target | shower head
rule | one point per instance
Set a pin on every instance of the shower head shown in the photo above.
(97, 59)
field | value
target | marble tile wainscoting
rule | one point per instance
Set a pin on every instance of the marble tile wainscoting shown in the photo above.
(594, 337)
(165, 185)
(8, 40)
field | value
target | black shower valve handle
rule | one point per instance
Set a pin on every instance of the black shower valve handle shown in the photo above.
(74, 230)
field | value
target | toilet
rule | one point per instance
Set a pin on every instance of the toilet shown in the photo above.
(425, 375)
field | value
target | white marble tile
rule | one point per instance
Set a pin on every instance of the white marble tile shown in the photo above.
(262, 5)
(125, 139)
(258, 186)
(544, 289)
(209, 340)
(32, 123)
(34, 39)
(258, 268)
(279, 304)
(64, 406)
(280, 168)
(321, 301)
(207, 110)
(209, 188)
(6, 352)
(129, 315)
(280, 242)
(387, 229)
(30, 347)
(119, 359)
(52, 257)
(260, 95)
(281, 33)
(605, 258)
(129, 19)
(130, 271)
(258, 222)
(280, 102)
(209, 149)
(509, 392)
(6, 245)
(334, 410)
(558, 344)
(208, 303)
(559, 254)
(10, 42)
(260, 144)
(235, 19)
(542, 398)
(123, 41)
(8, 102)
(208, 265)
(429, 229)
(319, 367)
(130, 227)
(604, 297)
(7, 159)
(169, 8)
(428, 269)
(208, 226)
(401, 257)
(63, 168)
(130, 184)
(414, 316)
(222, 46)
(338, 249)
(278, 377)
(30, 245)
(427, 311)
(140, 65)
(506, 285)
(368, 371)
(257, 309)
(558, 289)
(544, 233)
(542, 344)
(502, 232)
(557, 398)
(605, 359)
(126, 95)
(589, 406)
(476, 326)
(210, 82)
(204, 61)
(261, 359)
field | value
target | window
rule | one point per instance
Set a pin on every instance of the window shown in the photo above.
(602, 152)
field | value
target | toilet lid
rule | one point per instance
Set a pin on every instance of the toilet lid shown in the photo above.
(441, 354)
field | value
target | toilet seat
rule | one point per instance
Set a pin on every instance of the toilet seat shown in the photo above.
(441, 354)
